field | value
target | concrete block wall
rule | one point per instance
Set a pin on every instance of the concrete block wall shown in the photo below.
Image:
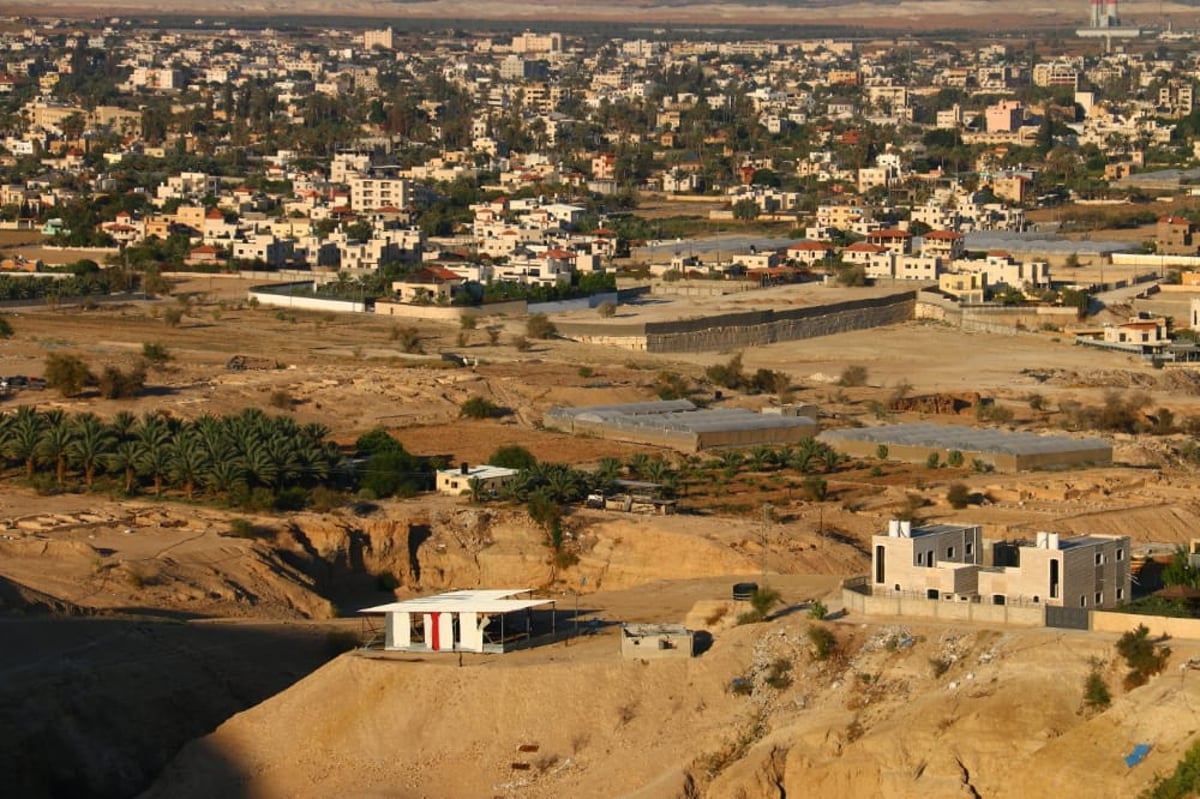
(738, 331)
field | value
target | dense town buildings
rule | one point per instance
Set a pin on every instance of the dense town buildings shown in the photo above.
(512, 158)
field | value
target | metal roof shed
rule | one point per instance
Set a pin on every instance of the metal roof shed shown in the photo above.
(460, 621)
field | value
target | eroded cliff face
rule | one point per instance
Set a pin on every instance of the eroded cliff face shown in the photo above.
(420, 550)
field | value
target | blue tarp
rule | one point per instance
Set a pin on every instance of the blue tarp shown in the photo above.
(1137, 755)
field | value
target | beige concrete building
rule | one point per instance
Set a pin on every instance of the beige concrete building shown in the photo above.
(1088, 571)
(939, 561)
(950, 562)
(458, 481)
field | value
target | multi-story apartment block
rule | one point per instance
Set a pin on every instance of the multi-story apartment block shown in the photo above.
(375, 192)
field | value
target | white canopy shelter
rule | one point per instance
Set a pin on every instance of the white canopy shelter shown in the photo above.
(460, 621)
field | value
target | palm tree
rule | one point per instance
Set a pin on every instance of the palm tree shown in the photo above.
(260, 468)
(154, 458)
(759, 457)
(225, 475)
(188, 462)
(477, 489)
(731, 462)
(123, 425)
(563, 483)
(807, 449)
(24, 437)
(656, 470)
(830, 459)
(56, 443)
(92, 441)
(125, 457)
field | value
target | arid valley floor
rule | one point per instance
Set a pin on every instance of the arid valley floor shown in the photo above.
(159, 627)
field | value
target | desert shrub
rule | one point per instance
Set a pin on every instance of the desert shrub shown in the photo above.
(540, 326)
(954, 458)
(939, 666)
(728, 374)
(241, 528)
(980, 466)
(882, 452)
(408, 339)
(117, 384)
(6, 328)
(155, 352)
(325, 499)
(778, 676)
(991, 412)
(467, 322)
(851, 275)
(1095, 691)
(480, 408)
(607, 309)
(292, 498)
(1181, 783)
(66, 373)
(281, 398)
(817, 610)
(585, 371)
(959, 496)
(822, 640)
(854, 375)
(521, 344)
(671, 386)
(933, 460)
(814, 488)
(172, 317)
(770, 381)
(761, 601)
(1144, 657)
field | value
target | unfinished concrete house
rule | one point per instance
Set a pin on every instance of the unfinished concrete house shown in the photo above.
(950, 562)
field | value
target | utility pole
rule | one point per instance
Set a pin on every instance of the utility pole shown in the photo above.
(767, 513)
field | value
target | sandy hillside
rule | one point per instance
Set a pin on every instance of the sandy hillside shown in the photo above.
(872, 721)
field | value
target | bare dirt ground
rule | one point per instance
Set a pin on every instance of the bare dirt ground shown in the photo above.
(627, 729)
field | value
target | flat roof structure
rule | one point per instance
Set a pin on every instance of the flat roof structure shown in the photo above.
(1005, 450)
(679, 424)
(459, 621)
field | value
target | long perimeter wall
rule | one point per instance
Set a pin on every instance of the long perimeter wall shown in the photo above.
(756, 328)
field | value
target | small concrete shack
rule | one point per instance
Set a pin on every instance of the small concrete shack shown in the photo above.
(460, 621)
(652, 641)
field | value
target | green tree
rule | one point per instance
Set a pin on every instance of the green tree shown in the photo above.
(513, 456)
(67, 373)
(745, 210)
